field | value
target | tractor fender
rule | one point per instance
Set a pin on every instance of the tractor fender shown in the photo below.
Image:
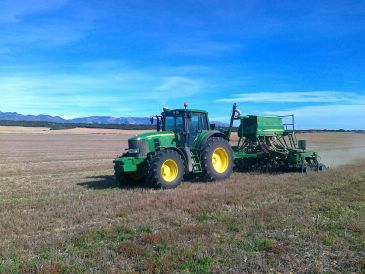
(212, 134)
(185, 155)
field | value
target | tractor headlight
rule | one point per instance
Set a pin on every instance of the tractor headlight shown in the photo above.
(137, 147)
(133, 150)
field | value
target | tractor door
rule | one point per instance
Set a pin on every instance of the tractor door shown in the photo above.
(197, 124)
(175, 122)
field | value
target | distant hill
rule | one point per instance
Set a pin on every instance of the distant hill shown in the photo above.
(100, 120)
(14, 116)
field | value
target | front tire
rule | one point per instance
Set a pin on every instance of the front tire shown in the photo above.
(166, 169)
(217, 159)
(128, 178)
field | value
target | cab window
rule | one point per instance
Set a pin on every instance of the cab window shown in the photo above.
(173, 123)
(198, 122)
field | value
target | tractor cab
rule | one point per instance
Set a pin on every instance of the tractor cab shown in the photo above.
(187, 124)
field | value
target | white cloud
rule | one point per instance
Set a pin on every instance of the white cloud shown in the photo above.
(174, 87)
(172, 83)
(337, 109)
(327, 117)
(67, 117)
(295, 97)
(119, 91)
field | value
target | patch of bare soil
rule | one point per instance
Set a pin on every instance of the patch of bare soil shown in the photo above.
(43, 130)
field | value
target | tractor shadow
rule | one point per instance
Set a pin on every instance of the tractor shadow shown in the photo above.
(104, 182)
(109, 182)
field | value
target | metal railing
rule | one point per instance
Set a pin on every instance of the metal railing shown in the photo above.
(289, 126)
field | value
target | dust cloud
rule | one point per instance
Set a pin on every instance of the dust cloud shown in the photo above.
(336, 148)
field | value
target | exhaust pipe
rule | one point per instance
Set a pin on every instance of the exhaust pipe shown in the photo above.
(238, 112)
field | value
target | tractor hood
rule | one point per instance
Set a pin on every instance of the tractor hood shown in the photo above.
(153, 135)
(142, 144)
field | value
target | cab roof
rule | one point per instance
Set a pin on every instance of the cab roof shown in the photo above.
(183, 110)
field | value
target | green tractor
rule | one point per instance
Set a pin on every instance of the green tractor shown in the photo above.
(187, 144)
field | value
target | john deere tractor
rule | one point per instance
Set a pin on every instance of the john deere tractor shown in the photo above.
(185, 143)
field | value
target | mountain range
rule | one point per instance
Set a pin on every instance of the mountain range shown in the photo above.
(14, 116)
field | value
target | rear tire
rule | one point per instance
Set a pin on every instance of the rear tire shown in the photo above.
(166, 169)
(217, 159)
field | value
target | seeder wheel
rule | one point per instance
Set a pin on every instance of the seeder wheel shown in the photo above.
(306, 169)
(321, 167)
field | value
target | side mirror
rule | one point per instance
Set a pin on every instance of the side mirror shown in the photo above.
(212, 126)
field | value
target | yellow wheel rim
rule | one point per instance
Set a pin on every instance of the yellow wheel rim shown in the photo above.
(169, 170)
(220, 160)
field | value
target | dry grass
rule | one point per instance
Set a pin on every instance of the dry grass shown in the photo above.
(130, 249)
(61, 211)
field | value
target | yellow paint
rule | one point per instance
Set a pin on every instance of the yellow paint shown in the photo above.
(220, 160)
(169, 170)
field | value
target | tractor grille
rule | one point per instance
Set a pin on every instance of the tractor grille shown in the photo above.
(140, 145)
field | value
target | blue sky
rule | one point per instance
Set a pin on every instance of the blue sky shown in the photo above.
(131, 58)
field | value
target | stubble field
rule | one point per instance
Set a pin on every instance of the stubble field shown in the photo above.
(62, 212)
